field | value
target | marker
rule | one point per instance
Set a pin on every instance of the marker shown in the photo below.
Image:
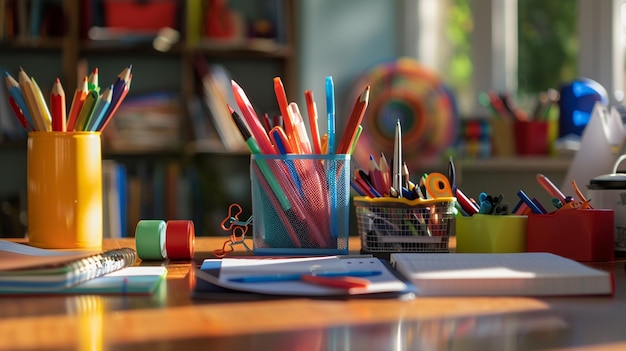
(549, 187)
(256, 127)
(288, 213)
(312, 113)
(529, 202)
(467, 205)
(330, 114)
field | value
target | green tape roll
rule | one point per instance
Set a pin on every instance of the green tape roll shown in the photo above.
(150, 239)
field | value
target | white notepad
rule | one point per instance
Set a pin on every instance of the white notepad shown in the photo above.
(512, 274)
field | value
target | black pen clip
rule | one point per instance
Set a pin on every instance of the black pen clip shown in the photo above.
(452, 176)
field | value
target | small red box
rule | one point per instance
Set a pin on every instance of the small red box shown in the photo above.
(140, 15)
(580, 234)
(531, 137)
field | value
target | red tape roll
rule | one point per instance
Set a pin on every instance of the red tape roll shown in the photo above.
(179, 239)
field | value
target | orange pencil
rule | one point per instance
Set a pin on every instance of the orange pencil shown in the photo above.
(77, 103)
(353, 123)
(312, 112)
(57, 104)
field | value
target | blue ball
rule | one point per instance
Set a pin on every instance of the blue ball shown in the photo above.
(576, 104)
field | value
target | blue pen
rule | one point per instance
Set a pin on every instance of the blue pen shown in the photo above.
(529, 202)
(330, 113)
(270, 278)
(279, 138)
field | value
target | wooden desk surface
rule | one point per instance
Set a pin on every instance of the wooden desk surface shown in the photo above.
(171, 320)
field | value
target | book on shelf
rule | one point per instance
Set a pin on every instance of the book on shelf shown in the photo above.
(216, 96)
(146, 123)
(25, 268)
(510, 274)
(114, 199)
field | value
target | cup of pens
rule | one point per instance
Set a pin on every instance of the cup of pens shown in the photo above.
(300, 203)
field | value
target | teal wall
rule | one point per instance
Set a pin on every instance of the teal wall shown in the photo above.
(342, 38)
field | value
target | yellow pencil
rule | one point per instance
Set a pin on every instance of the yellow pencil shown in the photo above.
(41, 105)
(31, 102)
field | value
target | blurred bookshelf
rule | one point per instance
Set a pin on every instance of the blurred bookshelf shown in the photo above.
(177, 168)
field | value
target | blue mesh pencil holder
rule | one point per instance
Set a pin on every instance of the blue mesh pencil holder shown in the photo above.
(300, 204)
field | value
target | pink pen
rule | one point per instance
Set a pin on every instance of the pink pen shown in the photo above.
(550, 187)
(255, 125)
(299, 129)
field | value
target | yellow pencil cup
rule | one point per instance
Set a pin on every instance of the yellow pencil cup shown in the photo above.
(64, 181)
(483, 233)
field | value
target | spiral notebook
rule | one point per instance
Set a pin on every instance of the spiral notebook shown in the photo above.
(25, 268)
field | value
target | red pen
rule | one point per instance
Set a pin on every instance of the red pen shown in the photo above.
(467, 204)
(346, 283)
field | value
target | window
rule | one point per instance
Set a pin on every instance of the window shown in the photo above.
(519, 46)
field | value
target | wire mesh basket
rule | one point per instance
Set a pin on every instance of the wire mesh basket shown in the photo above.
(400, 225)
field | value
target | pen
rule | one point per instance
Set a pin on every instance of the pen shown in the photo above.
(299, 129)
(397, 160)
(452, 175)
(270, 278)
(552, 189)
(256, 128)
(288, 118)
(330, 114)
(467, 204)
(353, 123)
(312, 113)
(529, 202)
(280, 140)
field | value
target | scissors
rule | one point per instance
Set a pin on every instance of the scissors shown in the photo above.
(437, 185)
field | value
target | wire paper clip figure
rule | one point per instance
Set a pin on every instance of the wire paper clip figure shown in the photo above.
(238, 231)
